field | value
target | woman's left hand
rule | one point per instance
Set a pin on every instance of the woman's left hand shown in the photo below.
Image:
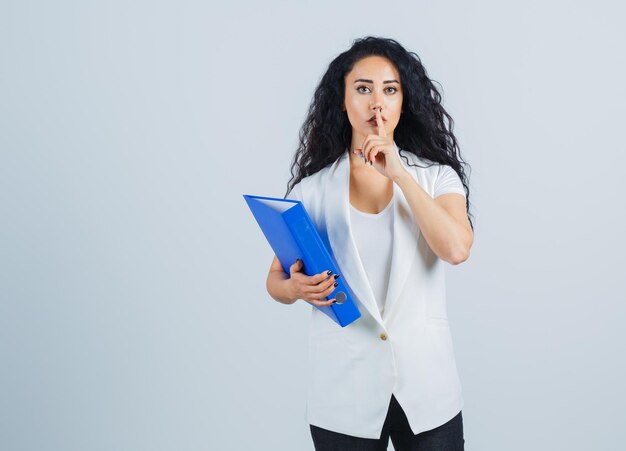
(382, 152)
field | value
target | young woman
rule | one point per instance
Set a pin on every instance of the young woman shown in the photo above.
(380, 174)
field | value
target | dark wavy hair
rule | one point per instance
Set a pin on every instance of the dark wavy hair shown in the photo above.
(422, 129)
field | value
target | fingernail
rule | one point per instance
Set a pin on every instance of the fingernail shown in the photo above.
(336, 276)
(336, 283)
(329, 272)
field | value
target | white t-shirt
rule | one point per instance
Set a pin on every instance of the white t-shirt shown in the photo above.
(373, 236)
(448, 181)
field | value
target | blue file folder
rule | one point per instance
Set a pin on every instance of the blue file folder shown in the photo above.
(292, 235)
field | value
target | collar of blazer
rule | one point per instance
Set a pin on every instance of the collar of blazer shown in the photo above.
(405, 238)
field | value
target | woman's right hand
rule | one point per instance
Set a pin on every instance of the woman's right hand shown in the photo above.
(313, 289)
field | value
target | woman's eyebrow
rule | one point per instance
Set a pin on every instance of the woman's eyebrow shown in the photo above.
(370, 81)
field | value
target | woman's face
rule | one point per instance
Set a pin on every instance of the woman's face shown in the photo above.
(373, 82)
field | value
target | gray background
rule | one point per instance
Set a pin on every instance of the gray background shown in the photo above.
(133, 310)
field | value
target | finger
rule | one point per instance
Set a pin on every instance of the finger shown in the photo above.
(330, 289)
(367, 146)
(316, 279)
(321, 303)
(359, 152)
(324, 287)
(373, 151)
(373, 154)
(379, 122)
(323, 294)
(363, 154)
(321, 290)
(296, 267)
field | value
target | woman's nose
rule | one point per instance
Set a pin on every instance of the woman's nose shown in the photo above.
(376, 106)
(376, 102)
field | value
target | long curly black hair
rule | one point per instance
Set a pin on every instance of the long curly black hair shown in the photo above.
(421, 130)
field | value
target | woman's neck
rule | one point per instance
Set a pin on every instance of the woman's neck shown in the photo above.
(359, 169)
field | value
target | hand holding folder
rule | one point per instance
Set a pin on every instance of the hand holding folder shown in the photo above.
(292, 235)
(311, 288)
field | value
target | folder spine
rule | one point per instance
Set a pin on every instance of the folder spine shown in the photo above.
(318, 260)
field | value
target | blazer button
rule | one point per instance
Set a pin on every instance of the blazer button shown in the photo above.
(383, 336)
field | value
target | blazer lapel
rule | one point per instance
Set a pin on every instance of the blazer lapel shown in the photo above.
(338, 224)
(405, 240)
(337, 214)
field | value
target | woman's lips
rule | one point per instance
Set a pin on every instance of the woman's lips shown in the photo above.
(373, 122)
(373, 118)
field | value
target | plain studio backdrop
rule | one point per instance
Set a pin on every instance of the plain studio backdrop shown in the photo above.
(133, 309)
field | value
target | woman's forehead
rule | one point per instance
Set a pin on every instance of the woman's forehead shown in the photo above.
(374, 68)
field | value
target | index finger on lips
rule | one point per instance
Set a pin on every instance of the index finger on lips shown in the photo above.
(379, 122)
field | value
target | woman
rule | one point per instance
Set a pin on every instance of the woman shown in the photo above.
(380, 175)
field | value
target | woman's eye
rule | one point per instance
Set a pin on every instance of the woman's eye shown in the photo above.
(365, 87)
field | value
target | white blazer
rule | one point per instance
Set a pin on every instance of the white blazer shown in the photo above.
(407, 351)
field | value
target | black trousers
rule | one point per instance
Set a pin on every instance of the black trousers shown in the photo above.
(447, 437)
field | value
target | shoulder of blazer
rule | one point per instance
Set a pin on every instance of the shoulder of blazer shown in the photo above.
(312, 192)
(307, 183)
